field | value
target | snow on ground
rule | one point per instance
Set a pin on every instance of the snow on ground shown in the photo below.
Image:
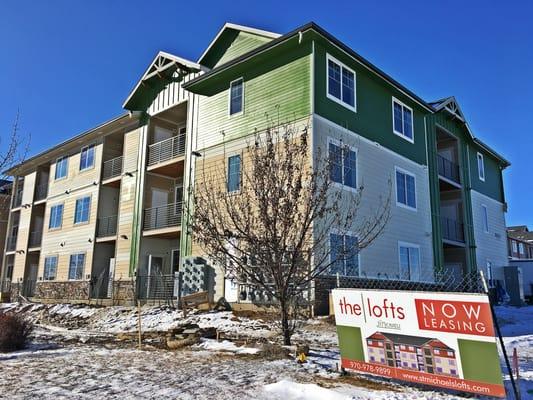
(59, 365)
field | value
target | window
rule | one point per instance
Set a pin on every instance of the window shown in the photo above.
(344, 255)
(405, 189)
(234, 173)
(236, 96)
(481, 167)
(402, 117)
(514, 245)
(485, 216)
(87, 157)
(56, 217)
(75, 269)
(343, 167)
(50, 268)
(521, 248)
(340, 83)
(83, 207)
(409, 261)
(61, 167)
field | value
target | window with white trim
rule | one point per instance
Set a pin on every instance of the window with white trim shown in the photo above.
(485, 217)
(409, 261)
(75, 269)
(405, 189)
(50, 268)
(340, 83)
(481, 167)
(56, 216)
(87, 157)
(514, 245)
(344, 255)
(521, 249)
(61, 167)
(236, 96)
(234, 173)
(82, 211)
(402, 120)
(343, 164)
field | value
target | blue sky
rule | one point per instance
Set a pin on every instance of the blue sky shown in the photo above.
(69, 65)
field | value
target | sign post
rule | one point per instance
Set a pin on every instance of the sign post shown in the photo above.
(445, 340)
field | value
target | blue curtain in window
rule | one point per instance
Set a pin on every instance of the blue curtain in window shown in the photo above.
(350, 173)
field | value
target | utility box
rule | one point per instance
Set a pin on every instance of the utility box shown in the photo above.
(194, 276)
(514, 285)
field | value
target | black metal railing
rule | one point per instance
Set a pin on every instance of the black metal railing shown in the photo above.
(11, 243)
(448, 169)
(112, 168)
(5, 286)
(28, 287)
(17, 199)
(452, 230)
(35, 239)
(166, 149)
(106, 226)
(41, 191)
(101, 286)
(156, 287)
(162, 217)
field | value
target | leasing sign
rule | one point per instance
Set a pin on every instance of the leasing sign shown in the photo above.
(439, 339)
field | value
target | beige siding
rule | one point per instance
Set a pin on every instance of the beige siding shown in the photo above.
(171, 95)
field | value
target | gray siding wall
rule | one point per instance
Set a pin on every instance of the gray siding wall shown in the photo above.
(375, 168)
(492, 245)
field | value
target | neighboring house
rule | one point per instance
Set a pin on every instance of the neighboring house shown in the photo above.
(108, 202)
(520, 241)
(411, 352)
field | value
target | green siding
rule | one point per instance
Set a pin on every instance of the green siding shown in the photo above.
(480, 361)
(350, 343)
(275, 90)
(373, 118)
(242, 43)
(493, 185)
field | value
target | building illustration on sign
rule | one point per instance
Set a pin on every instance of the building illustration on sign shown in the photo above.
(412, 352)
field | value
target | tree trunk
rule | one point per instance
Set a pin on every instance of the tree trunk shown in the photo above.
(285, 323)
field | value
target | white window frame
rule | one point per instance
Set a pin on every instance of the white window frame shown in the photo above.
(485, 218)
(44, 267)
(333, 98)
(480, 170)
(514, 246)
(229, 98)
(399, 204)
(62, 216)
(240, 173)
(93, 145)
(343, 234)
(342, 145)
(413, 246)
(89, 211)
(83, 266)
(521, 248)
(398, 133)
(66, 170)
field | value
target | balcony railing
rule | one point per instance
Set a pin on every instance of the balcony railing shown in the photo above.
(452, 230)
(35, 239)
(166, 149)
(162, 217)
(448, 169)
(41, 191)
(106, 226)
(112, 168)
(17, 199)
(11, 243)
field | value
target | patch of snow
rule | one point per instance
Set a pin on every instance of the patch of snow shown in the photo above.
(226, 346)
(288, 390)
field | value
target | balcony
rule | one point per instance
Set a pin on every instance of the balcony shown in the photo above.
(106, 226)
(112, 168)
(35, 239)
(166, 151)
(448, 169)
(166, 218)
(452, 230)
(41, 191)
(11, 243)
(17, 199)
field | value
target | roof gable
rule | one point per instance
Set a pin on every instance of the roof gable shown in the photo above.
(165, 68)
(231, 42)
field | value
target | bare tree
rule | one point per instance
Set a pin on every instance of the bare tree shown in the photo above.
(14, 148)
(273, 233)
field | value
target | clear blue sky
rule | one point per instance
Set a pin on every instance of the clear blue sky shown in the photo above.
(69, 65)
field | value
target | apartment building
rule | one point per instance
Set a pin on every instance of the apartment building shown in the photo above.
(104, 211)
(520, 242)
